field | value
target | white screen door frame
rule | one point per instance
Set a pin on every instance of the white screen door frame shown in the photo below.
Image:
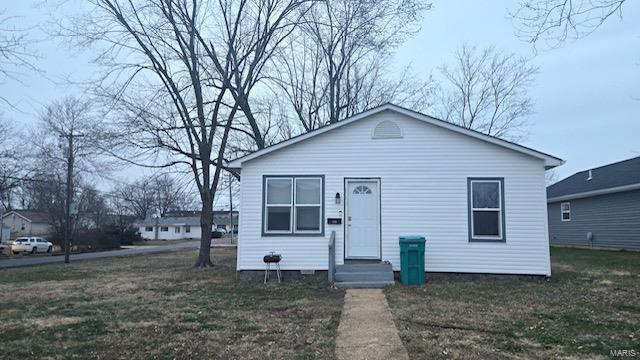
(362, 219)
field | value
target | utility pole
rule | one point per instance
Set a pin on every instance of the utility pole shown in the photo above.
(67, 214)
(1, 216)
(231, 207)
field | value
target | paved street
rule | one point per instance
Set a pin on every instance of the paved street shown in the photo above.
(28, 260)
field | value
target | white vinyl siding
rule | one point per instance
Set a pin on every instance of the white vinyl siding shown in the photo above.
(423, 191)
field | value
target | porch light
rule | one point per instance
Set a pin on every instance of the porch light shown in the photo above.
(337, 198)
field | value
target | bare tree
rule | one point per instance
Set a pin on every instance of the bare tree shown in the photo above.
(335, 64)
(11, 169)
(15, 53)
(178, 72)
(153, 195)
(488, 91)
(136, 198)
(550, 177)
(555, 21)
(71, 116)
(170, 195)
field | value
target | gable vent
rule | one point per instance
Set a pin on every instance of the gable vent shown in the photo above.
(387, 130)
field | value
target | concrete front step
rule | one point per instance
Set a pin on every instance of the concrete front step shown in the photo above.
(364, 275)
(348, 276)
(364, 284)
(363, 267)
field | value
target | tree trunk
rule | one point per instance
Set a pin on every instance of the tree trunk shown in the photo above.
(206, 222)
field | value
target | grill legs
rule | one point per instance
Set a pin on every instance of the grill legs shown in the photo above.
(268, 270)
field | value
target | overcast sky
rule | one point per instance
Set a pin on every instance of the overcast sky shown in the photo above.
(585, 111)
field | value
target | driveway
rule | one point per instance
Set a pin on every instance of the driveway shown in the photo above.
(132, 250)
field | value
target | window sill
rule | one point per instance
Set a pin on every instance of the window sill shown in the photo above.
(320, 234)
(487, 240)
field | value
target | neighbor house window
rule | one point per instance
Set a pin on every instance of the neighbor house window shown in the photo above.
(177, 229)
(565, 211)
(486, 209)
(187, 229)
(164, 228)
(148, 228)
(293, 205)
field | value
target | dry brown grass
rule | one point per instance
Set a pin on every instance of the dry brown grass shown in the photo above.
(590, 306)
(158, 307)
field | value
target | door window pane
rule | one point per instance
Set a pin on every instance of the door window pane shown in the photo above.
(308, 191)
(486, 223)
(308, 218)
(486, 195)
(278, 218)
(279, 191)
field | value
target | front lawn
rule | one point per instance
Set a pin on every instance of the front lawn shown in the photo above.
(156, 306)
(590, 306)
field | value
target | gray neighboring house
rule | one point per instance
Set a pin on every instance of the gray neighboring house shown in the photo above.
(597, 208)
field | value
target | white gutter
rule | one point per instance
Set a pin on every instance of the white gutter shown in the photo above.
(594, 193)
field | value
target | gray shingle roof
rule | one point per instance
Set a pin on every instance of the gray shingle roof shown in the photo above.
(614, 175)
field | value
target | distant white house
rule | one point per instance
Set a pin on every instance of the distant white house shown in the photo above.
(170, 228)
(480, 201)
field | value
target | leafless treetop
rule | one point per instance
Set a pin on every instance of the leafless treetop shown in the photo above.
(555, 21)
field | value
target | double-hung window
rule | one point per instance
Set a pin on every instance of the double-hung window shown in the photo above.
(293, 205)
(486, 209)
(565, 211)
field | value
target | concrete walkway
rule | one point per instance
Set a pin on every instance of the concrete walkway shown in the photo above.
(366, 329)
(29, 260)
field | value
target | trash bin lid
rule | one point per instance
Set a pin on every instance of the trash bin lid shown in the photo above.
(412, 238)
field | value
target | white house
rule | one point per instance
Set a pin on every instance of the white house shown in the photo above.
(171, 228)
(480, 201)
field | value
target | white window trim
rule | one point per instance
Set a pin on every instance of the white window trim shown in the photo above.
(293, 206)
(499, 210)
(562, 211)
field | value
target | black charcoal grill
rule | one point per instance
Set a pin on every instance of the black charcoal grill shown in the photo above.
(272, 258)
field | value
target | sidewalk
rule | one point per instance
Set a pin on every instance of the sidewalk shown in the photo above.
(366, 329)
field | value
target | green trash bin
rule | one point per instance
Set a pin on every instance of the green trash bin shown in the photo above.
(412, 260)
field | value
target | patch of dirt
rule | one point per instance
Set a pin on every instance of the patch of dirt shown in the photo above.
(53, 321)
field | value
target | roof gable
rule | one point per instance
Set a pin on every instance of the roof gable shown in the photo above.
(34, 216)
(550, 161)
(619, 176)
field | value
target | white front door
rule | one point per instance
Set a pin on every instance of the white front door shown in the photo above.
(363, 219)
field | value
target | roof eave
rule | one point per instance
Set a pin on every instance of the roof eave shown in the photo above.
(587, 194)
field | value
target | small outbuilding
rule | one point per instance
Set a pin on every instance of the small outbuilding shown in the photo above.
(480, 201)
(598, 208)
